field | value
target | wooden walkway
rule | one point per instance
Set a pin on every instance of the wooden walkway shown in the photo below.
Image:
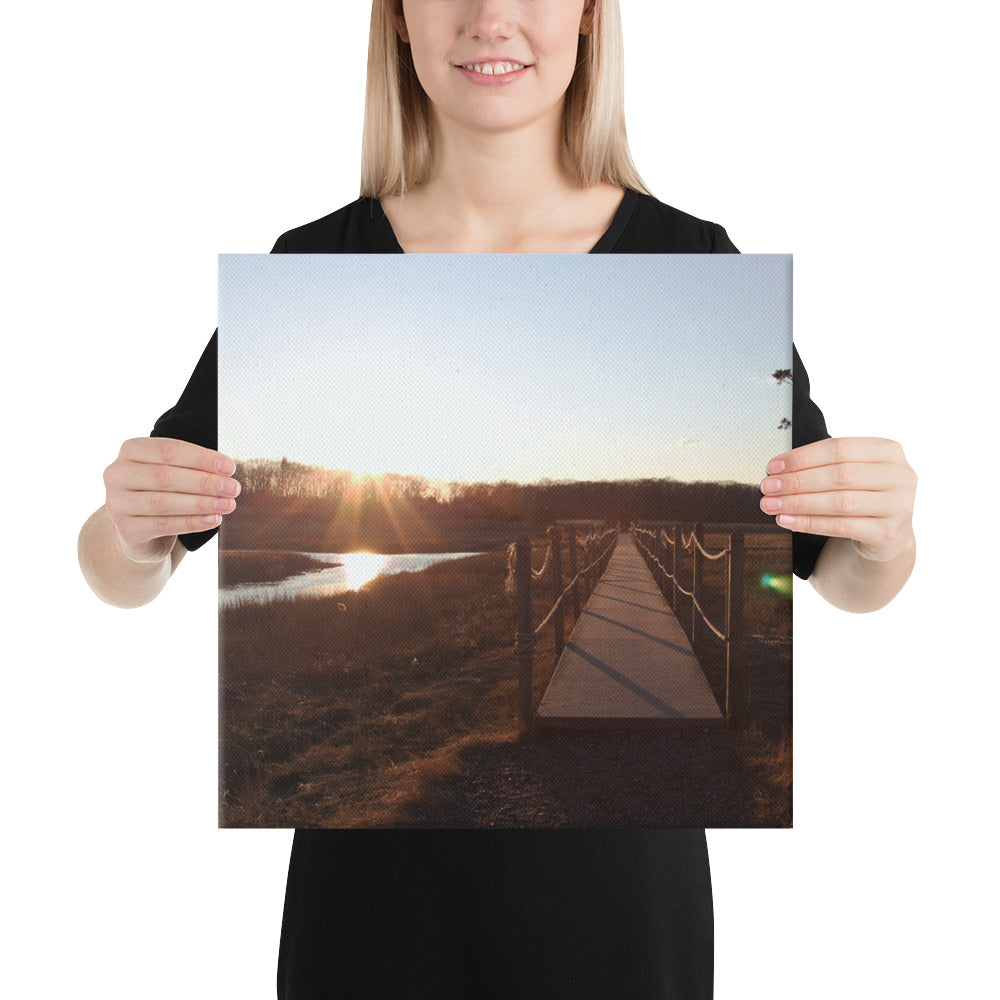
(628, 659)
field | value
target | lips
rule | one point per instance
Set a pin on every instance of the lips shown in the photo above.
(493, 72)
(493, 67)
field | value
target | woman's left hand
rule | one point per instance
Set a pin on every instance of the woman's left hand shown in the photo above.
(856, 488)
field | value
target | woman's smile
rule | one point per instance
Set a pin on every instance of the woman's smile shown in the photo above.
(493, 44)
(493, 73)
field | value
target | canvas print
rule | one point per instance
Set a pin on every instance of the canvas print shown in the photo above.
(498, 559)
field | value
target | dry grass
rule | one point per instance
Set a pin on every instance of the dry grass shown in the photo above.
(334, 707)
(397, 706)
(264, 565)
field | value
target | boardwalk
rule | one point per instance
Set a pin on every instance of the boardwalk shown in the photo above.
(628, 659)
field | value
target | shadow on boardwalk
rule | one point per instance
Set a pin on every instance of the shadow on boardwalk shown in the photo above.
(629, 774)
(628, 661)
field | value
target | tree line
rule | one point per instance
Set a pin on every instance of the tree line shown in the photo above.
(320, 494)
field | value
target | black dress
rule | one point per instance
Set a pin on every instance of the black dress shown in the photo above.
(480, 914)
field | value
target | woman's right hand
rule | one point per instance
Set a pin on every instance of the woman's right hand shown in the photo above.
(159, 488)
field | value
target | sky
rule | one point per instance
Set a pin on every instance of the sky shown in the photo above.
(482, 367)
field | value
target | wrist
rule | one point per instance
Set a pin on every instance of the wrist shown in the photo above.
(111, 571)
(900, 550)
(151, 555)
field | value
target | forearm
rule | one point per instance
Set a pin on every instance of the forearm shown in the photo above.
(112, 575)
(853, 583)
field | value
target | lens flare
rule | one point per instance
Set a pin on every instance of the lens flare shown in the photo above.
(780, 584)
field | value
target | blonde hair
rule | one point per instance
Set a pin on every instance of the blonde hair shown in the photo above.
(396, 139)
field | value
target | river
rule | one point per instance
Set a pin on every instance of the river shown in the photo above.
(356, 570)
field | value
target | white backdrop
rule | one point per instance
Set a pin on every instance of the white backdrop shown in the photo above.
(145, 139)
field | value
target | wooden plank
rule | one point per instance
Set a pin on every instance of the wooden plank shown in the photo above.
(628, 659)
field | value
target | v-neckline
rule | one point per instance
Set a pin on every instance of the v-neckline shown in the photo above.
(608, 238)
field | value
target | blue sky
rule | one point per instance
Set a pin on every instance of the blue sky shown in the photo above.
(507, 366)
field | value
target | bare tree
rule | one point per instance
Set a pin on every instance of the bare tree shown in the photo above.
(781, 376)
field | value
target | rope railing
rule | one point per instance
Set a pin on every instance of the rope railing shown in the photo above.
(597, 548)
(636, 530)
(662, 549)
(686, 541)
(677, 584)
(567, 590)
(537, 574)
(540, 627)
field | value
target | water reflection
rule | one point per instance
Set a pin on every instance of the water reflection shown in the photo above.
(360, 567)
(353, 571)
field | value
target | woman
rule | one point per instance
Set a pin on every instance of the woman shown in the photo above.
(497, 127)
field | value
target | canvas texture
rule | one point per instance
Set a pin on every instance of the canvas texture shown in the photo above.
(498, 559)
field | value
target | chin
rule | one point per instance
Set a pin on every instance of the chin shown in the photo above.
(499, 119)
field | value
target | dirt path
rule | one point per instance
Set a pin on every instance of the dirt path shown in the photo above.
(702, 778)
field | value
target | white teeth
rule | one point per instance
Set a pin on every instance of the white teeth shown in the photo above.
(495, 69)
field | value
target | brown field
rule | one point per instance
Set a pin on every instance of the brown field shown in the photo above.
(397, 706)
(258, 527)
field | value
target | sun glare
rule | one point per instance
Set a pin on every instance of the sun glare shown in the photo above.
(360, 567)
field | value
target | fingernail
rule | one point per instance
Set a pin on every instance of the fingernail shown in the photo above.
(775, 466)
(771, 504)
(787, 520)
(224, 504)
(210, 519)
(225, 465)
(771, 485)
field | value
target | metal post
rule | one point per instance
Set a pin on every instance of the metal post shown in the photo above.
(659, 548)
(693, 550)
(555, 540)
(524, 641)
(697, 580)
(673, 567)
(735, 667)
(573, 570)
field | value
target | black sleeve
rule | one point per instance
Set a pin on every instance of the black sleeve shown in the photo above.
(719, 240)
(808, 425)
(195, 416)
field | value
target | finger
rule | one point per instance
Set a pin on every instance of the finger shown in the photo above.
(141, 477)
(183, 454)
(136, 531)
(160, 504)
(863, 529)
(845, 476)
(832, 451)
(841, 503)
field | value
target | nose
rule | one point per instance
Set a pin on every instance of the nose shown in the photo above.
(490, 19)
